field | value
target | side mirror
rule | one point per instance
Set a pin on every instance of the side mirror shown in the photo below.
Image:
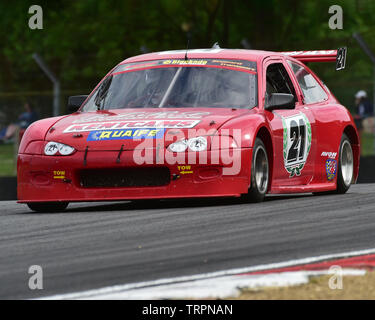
(280, 101)
(75, 102)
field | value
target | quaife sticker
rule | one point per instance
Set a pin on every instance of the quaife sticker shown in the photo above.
(296, 143)
(125, 134)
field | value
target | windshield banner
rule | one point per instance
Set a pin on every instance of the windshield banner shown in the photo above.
(240, 65)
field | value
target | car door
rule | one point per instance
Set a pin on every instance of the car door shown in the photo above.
(293, 130)
(326, 114)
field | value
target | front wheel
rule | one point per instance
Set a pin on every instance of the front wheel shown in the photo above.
(345, 166)
(259, 173)
(47, 206)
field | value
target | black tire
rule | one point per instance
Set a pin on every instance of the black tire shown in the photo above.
(342, 186)
(48, 206)
(345, 165)
(259, 173)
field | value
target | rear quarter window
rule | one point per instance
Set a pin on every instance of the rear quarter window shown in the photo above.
(311, 89)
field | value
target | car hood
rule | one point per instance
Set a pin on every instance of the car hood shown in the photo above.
(109, 130)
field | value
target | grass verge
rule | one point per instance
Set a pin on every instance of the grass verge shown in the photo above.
(7, 161)
(354, 287)
(367, 144)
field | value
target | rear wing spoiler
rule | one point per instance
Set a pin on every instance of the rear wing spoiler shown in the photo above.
(338, 56)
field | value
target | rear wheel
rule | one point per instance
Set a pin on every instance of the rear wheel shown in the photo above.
(345, 168)
(259, 173)
(346, 165)
(47, 206)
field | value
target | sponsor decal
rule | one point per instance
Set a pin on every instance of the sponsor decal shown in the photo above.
(186, 62)
(125, 134)
(296, 143)
(240, 65)
(159, 115)
(331, 155)
(185, 169)
(331, 169)
(139, 124)
(309, 53)
(58, 174)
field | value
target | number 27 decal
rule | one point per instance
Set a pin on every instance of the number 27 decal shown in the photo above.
(296, 143)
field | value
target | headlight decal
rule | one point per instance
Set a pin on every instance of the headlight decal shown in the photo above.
(197, 144)
(194, 144)
(65, 150)
(52, 148)
(179, 146)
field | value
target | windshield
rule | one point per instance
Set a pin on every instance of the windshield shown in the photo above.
(177, 84)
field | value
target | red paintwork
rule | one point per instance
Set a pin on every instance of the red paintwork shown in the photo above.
(328, 120)
(313, 56)
(359, 262)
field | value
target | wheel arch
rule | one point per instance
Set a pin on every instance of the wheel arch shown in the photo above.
(264, 134)
(352, 134)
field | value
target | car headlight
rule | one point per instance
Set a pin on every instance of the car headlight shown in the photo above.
(52, 148)
(179, 146)
(194, 144)
(197, 144)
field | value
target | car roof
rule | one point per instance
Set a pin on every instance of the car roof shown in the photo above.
(237, 54)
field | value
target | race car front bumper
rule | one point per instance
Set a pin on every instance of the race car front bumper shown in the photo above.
(104, 176)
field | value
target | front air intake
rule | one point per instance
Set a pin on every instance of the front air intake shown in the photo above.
(128, 177)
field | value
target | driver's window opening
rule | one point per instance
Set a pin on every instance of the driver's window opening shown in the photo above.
(278, 81)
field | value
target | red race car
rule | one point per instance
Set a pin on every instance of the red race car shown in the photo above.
(197, 123)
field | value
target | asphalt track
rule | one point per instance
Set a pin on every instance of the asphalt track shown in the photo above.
(93, 245)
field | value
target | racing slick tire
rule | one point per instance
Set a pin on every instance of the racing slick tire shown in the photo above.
(47, 206)
(345, 165)
(259, 173)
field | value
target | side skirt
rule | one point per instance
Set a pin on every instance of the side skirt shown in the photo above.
(317, 187)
